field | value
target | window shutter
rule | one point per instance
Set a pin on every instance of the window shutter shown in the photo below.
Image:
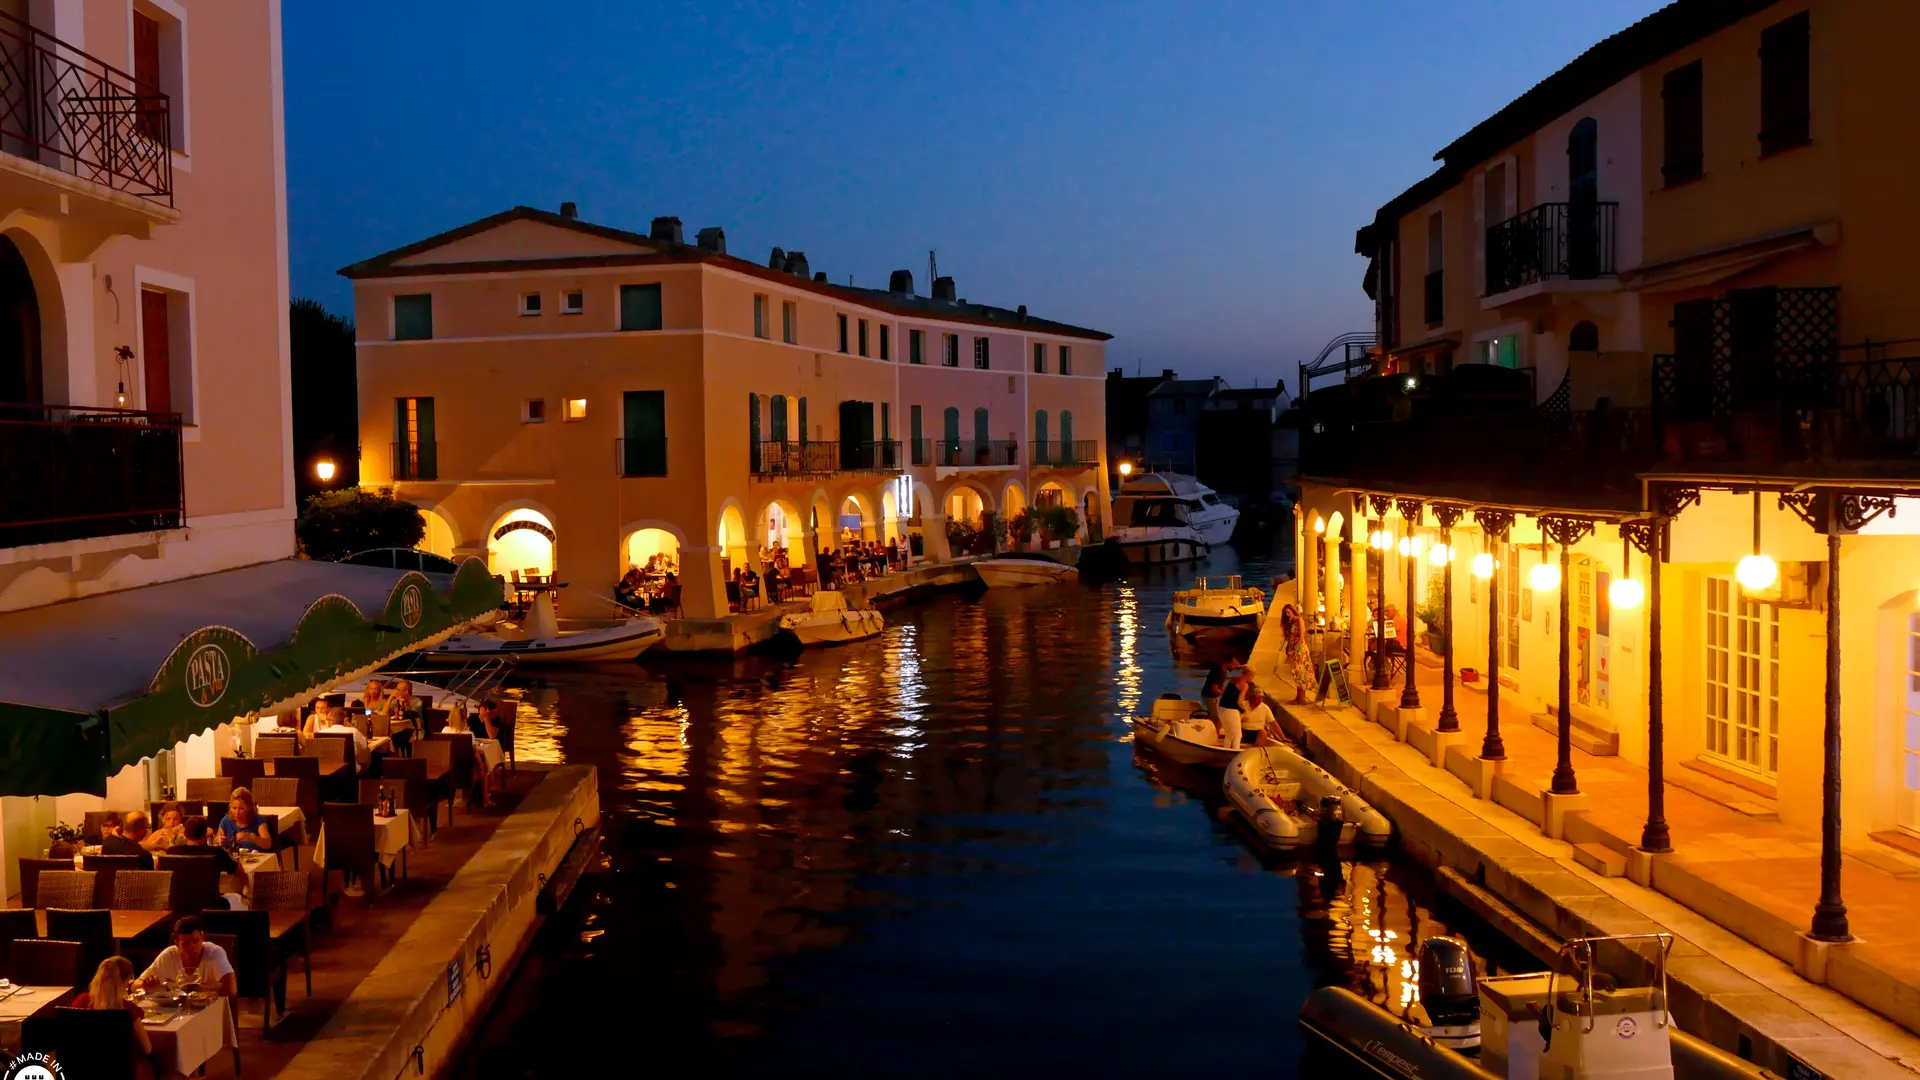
(753, 423)
(402, 449)
(1040, 437)
(981, 433)
(640, 307)
(429, 464)
(1066, 435)
(1480, 227)
(803, 420)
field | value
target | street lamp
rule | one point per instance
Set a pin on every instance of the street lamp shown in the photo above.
(1756, 572)
(1483, 565)
(1440, 554)
(1626, 593)
(1544, 577)
(1126, 469)
(324, 469)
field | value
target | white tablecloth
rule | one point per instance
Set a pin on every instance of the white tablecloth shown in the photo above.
(290, 816)
(191, 1039)
(17, 1007)
(391, 835)
(489, 753)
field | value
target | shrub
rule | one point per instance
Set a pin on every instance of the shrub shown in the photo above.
(1060, 522)
(335, 524)
(1024, 524)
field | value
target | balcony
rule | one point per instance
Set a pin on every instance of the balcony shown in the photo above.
(107, 137)
(967, 453)
(415, 461)
(1552, 241)
(1065, 453)
(640, 457)
(874, 456)
(72, 473)
(779, 458)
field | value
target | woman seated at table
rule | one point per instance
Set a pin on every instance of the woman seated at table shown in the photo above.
(108, 990)
(171, 830)
(242, 829)
(192, 960)
(459, 724)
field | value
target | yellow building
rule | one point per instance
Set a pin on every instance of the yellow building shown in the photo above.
(1665, 292)
(571, 399)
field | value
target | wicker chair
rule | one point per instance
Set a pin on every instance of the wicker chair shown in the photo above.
(230, 945)
(273, 747)
(106, 869)
(65, 889)
(350, 842)
(412, 774)
(196, 883)
(86, 1042)
(43, 962)
(258, 974)
(243, 770)
(30, 870)
(91, 927)
(276, 791)
(143, 890)
(438, 754)
(211, 789)
(15, 924)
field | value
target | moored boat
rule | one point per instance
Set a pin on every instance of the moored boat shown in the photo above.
(1180, 729)
(1290, 802)
(541, 641)
(1022, 568)
(1217, 607)
(828, 620)
(1168, 518)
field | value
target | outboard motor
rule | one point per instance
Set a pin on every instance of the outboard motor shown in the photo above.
(1450, 993)
(1330, 818)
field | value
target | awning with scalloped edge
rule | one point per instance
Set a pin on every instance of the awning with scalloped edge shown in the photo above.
(90, 686)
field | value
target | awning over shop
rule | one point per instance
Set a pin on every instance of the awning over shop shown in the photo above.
(91, 686)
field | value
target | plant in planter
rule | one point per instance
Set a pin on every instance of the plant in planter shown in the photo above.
(1023, 526)
(1060, 523)
(961, 537)
(64, 841)
(1433, 612)
(993, 532)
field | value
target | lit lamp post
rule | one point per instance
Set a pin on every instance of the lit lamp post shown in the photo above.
(1442, 556)
(1493, 525)
(324, 470)
(1410, 550)
(1545, 578)
(1380, 542)
(1126, 469)
(1651, 538)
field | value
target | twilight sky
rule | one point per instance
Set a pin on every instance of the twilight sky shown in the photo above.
(1185, 177)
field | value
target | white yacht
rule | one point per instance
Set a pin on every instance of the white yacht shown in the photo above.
(1217, 606)
(1169, 517)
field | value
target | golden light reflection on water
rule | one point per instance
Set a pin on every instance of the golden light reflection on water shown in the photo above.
(1126, 676)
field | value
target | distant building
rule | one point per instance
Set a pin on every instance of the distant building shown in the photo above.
(1127, 417)
(1173, 423)
(1239, 453)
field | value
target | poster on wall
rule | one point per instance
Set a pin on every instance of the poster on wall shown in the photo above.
(1603, 651)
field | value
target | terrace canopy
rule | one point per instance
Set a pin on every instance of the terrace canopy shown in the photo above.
(91, 686)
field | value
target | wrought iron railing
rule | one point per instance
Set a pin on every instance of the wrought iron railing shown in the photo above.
(877, 455)
(69, 111)
(967, 453)
(1553, 240)
(415, 460)
(1851, 410)
(774, 458)
(70, 473)
(641, 457)
(1063, 452)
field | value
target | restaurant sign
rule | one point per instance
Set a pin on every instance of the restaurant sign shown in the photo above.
(208, 673)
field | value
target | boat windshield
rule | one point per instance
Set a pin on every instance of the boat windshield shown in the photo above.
(1146, 513)
(1230, 583)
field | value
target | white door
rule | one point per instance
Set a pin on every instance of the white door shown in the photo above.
(1742, 693)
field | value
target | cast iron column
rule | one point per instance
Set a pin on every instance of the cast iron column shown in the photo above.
(1494, 525)
(1830, 914)
(1381, 681)
(1410, 512)
(1447, 515)
(1565, 531)
(1651, 538)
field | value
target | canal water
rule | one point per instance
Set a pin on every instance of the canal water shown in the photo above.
(936, 853)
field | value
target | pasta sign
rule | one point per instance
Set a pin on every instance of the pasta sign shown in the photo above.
(209, 672)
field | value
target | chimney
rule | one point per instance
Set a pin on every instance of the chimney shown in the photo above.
(901, 282)
(569, 210)
(777, 261)
(667, 229)
(713, 238)
(1022, 312)
(1166, 373)
(797, 263)
(943, 289)
(820, 277)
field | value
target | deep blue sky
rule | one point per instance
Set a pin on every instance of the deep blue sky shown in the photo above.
(1188, 180)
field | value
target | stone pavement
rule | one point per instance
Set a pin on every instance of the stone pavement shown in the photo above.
(1737, 890)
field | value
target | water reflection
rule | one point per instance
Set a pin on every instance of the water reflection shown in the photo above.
(933, 853)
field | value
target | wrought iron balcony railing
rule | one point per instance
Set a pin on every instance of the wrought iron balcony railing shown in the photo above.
(967, 453)
(1061, 452)
(1573, 240)
(640, 457)
(773, 458)
(69, 111)
(72, 473)
(877, 456)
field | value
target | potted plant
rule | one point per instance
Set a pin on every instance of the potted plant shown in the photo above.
(961, 537)
(993, 531)
(1022, 527)
(64, 841)
(1061, 523)
(1433, 612)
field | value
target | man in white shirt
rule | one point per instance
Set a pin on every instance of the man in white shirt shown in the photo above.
(337, 725)
(192, 959)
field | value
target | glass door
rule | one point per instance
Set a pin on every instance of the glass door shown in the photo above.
(1742, 679)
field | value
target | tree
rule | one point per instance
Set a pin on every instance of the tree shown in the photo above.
(335, 524)
(326, 396)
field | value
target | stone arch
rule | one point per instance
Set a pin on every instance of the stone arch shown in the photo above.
(1089, 510)
(856, 504)
(641, 540)
(35, 243)
(779, 523)
(1053, 493)
(522, 539)
(889, 515)
(966, 501)
(730, 533)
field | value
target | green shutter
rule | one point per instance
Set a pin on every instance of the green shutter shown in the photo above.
(640, 307)
(429, 463)
(981, 434)
(645, 422)
(915, 339)
(886, 421)
(803, 421)
(914, 427)
(1066, 435)
(413, 317)
(402, 449)
(753, 431)
(777, 418)
(1040, 437)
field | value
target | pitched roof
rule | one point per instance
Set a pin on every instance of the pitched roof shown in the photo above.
(1646, 42)
(1184, 387)
(658, 252)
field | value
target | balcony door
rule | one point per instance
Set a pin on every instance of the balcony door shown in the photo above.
(644, 428)
(155, 351)
(856, 434)
(20, 379)
(1583, 199)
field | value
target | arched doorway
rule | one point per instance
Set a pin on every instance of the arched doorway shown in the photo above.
(889, 516)
(732, 539)
(966, 510)
(855, 523)
(440, 538)
(1013, 501)
(522, 543)
(20, 367)
(780, 526)
(644, 544)
(1052, 493)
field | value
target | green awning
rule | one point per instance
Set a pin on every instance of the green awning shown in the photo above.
(91, 686)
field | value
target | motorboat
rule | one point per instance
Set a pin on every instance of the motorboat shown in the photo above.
(828, 620)
(1289, 801)
(1179, 728)
(1022, 568)
(1217, 606)
(541, 641)
(1169, 517)
(1575, 1022)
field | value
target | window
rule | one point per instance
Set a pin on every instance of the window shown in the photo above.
(1040, 454)
(1584, 337)
(413, 317)
(576, 409)
(1039, 359)
(640, 307)
(980, 352)
(415, 455)
(166, 381)
(886, 343)
(1066, 360)
(1684, 130)
(533, 411)
(573, 302)
(863, 337)
(916, 346)
(790, 322)
(1908, 809)
(159, 49)
(1436, 297)
(1502, 351)
(1785, 111)
(759, 315)
(1510, 610)
(843, 332)
(643, 443)
(1743, 678)
(530, 303)
(915, 420)
(950, 345)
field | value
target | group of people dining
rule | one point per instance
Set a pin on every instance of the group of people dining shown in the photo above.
(858, 560)
(648, 587)
(404, 718)
(242, 830)
(191, 963)
(1239, 709)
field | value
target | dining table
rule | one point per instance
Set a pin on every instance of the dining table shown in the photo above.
(186, 1038)
(128, 923)
(391, 836)
(489, 753)
(17, 1003)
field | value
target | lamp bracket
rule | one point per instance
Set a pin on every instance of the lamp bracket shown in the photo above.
(1566, 531)
(1808, 506)
(1409, 509)
(1381, 504)
(1673, 499)
(1494, 520)
(1448, 513)
(1857, 510)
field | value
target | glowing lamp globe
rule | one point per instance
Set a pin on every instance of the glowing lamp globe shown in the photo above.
(1757, 572)
(1409, 545)
(1544, 577)
(1483, 566)
(1626, 593)
(324, 470)
(1440, 554)
(1126, 468)
(1319, 524)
